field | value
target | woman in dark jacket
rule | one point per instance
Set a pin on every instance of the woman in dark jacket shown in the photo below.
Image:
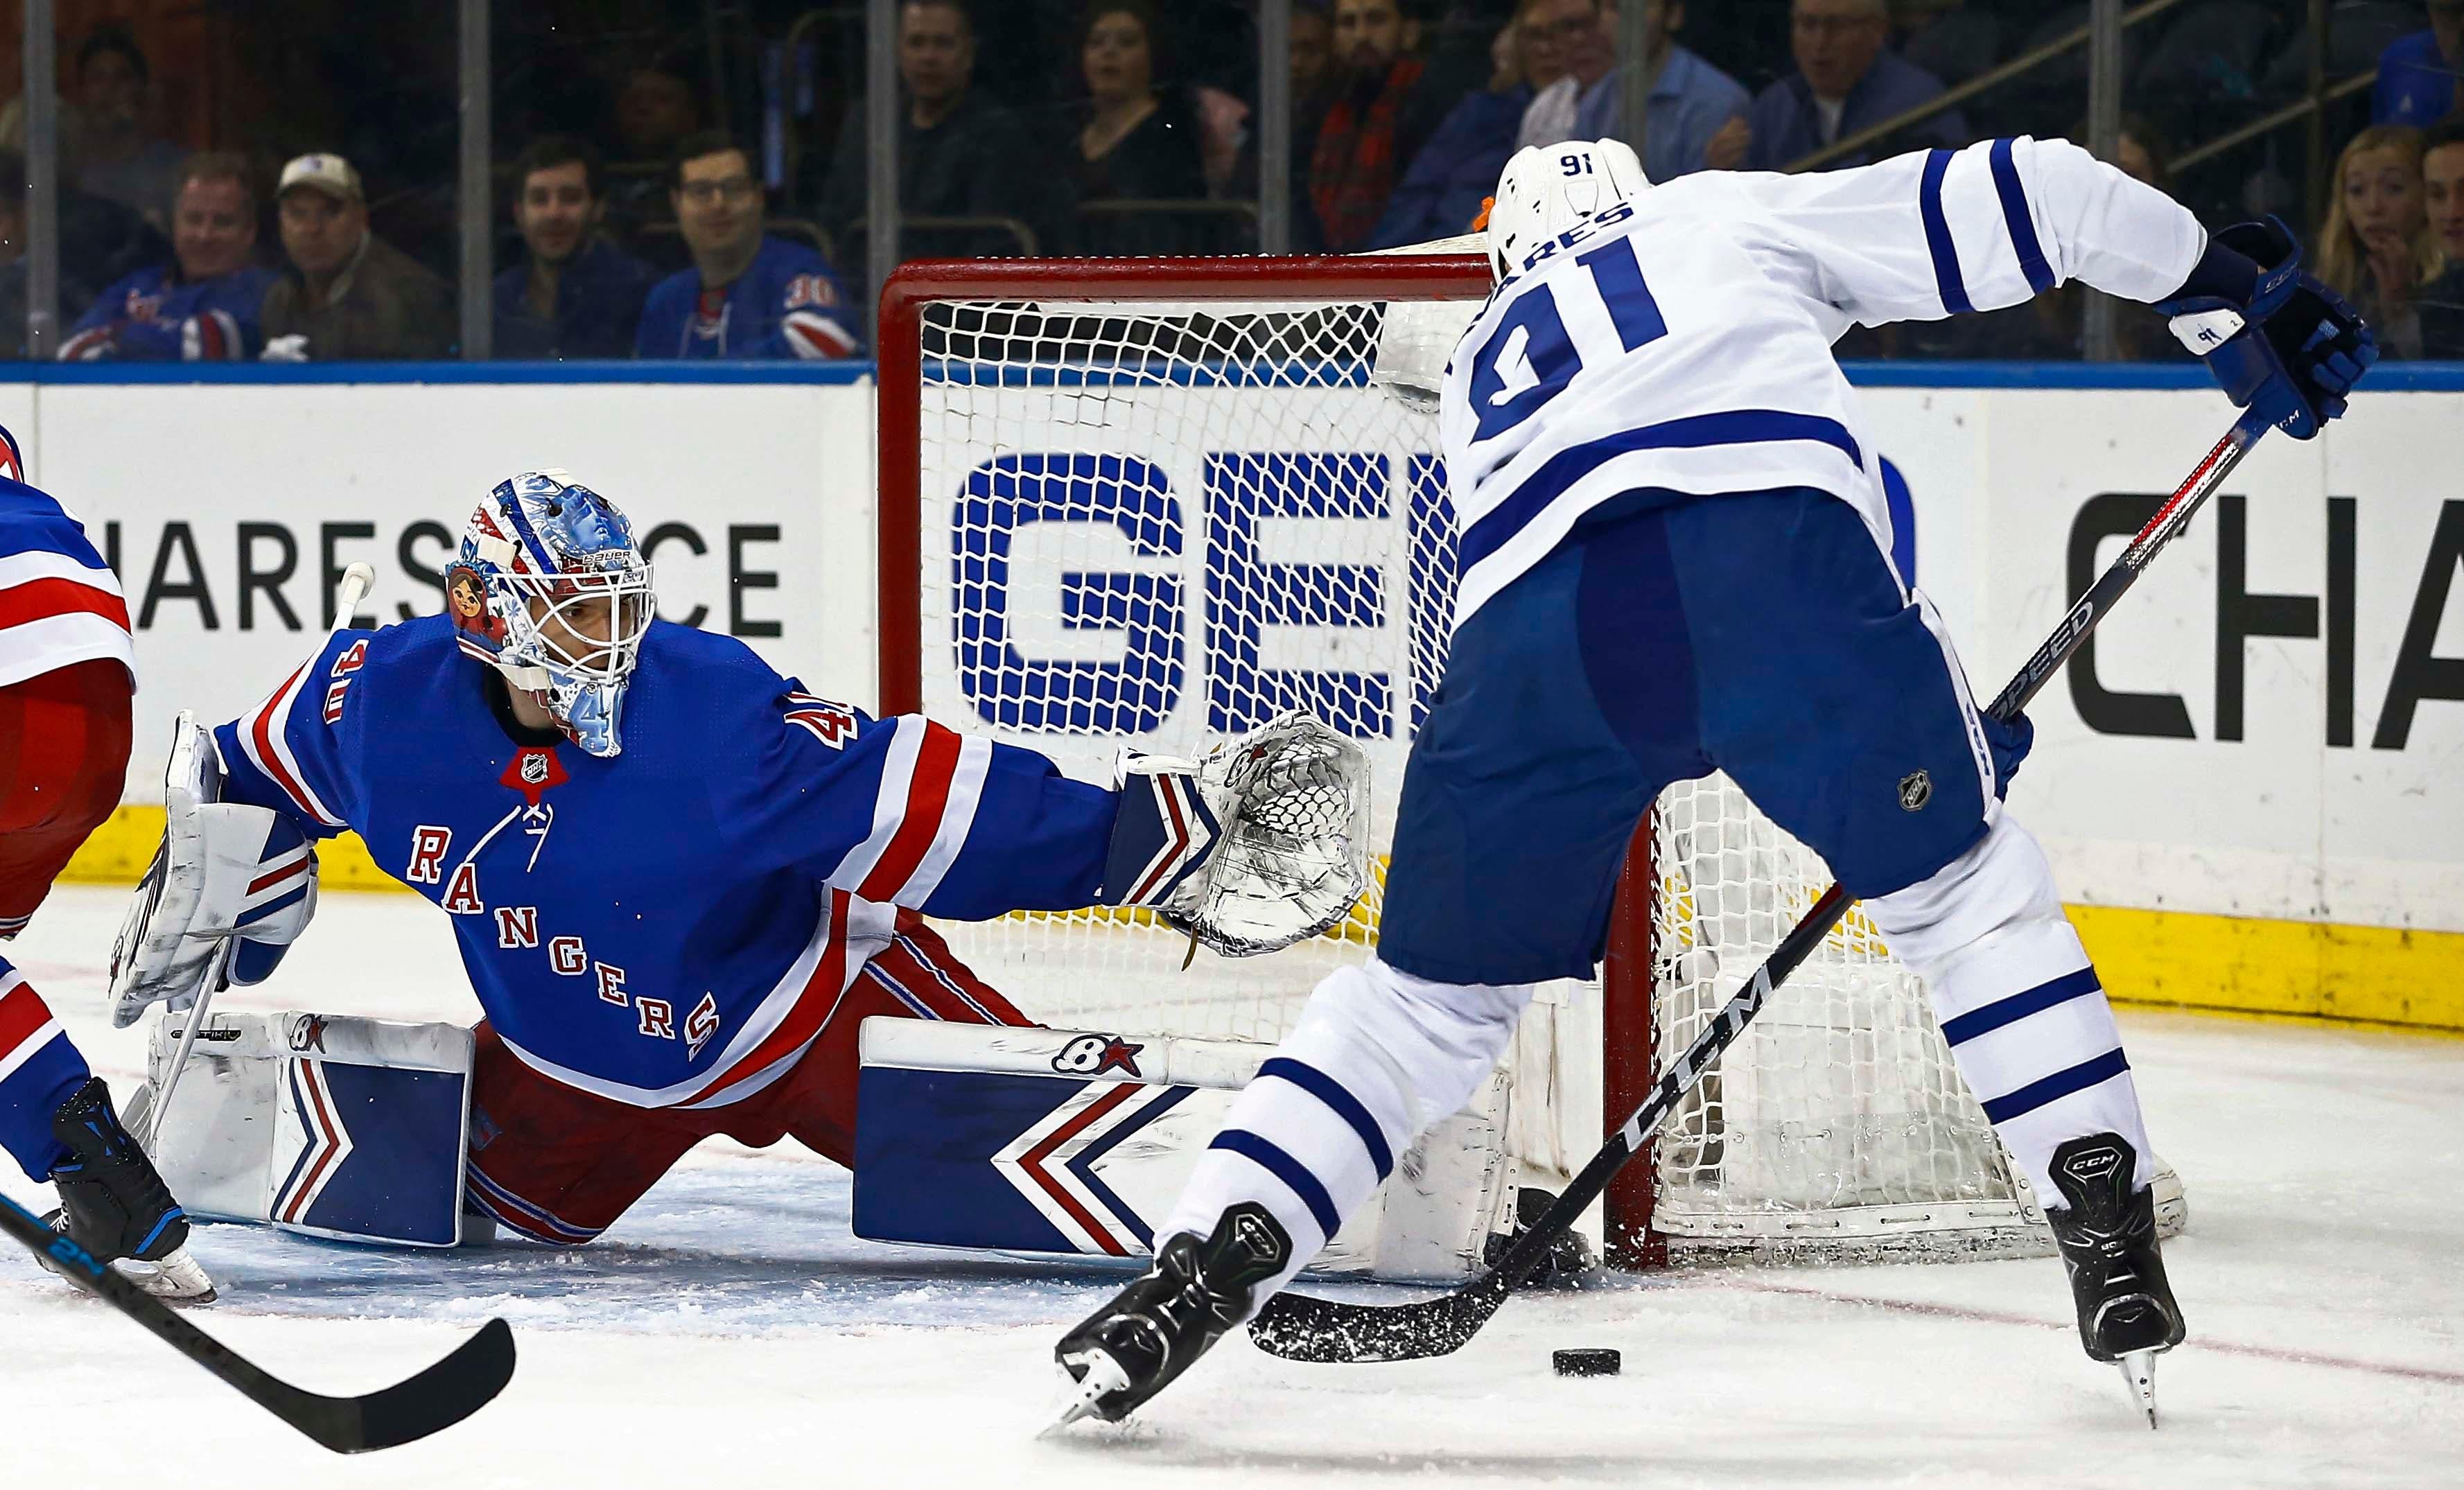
(1136, 141)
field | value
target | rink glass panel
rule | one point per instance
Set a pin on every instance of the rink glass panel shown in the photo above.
(1163, 516)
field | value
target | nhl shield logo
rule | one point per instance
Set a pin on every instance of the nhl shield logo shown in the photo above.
(534, 770)
(1916, 789)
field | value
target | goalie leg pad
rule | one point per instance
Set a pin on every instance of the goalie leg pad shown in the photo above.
(1074, 1141)
(335, 1127)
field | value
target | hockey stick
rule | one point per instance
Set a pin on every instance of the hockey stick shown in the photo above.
(436, 1398)
(1300, 1328)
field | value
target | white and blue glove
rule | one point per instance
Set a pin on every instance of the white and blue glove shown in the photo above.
(2277, 339)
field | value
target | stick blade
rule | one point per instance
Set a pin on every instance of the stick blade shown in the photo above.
(436, 1399)
(1331, 1332)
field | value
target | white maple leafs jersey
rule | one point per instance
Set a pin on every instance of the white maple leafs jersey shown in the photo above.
(1681, 340)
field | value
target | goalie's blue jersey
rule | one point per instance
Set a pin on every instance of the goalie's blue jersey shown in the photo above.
(668, 927)
(1680, 343)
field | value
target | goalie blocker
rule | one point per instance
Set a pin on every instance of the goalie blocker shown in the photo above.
(1077, 1141)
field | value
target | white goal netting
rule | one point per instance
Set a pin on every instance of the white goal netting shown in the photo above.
(1153, 523)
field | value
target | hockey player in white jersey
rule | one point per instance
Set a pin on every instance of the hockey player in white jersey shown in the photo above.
(1674, 561)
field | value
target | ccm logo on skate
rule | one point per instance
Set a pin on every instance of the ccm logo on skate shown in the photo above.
(2093, 1163)
(1094, 1055)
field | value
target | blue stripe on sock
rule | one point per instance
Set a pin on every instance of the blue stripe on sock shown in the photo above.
(2023, 226)
(1936, 230)
(2053, 1089)
(2018, 1006)
(1335, 1095)
(1284, 1167)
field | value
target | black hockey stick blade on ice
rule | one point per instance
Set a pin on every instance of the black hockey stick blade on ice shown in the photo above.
(436, 1398)
(1301, 1327)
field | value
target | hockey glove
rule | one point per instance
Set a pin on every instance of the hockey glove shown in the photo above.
(2277, 339)
(1250, 848)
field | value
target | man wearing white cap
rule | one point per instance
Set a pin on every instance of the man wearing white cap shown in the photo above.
(346, 293)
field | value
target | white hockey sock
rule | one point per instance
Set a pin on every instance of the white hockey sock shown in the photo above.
(1377, 1057)
(2023, 1012)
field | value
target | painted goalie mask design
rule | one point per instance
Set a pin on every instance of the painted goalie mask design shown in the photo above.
(551, 590)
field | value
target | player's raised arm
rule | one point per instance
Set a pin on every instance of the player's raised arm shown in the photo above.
(235, 882)
(1940, 232)
(285, 751)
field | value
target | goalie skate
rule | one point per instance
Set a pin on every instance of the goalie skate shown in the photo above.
(2107, 1236)
(1193, 1293)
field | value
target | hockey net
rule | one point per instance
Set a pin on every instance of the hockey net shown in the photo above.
(1153, 503)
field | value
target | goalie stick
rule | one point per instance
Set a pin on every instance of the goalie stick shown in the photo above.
(1302, 1328)
(436, 1398)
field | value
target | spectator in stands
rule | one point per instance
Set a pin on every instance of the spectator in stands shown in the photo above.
(1695, 117)
(959, 154)
(1379, 120)
(348, 296)
(2442, 182)
(1135, 139)
(654, 108)
(2418, 74)
(81, 251)
(1580, 37)
(115, 156)
(1458, 168)
(747, 296)
(1316, 81)
(203, 306)
(1846, 82)
(2376, 249)
(579, 295)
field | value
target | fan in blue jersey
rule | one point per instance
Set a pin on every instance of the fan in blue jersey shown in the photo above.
(679, 881)
(203, 307)
(747, 296)
(1674, 561)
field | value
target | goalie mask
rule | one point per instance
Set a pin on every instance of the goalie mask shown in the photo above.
(550, 589)
(1547, 189)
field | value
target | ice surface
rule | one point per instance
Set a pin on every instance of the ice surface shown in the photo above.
(730, 1331)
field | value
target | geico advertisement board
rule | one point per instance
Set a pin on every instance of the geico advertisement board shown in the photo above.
(230, 512)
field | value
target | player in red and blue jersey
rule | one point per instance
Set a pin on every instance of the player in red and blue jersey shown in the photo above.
(201, 308)
(67, 671)
(746, 295)
(679, 881)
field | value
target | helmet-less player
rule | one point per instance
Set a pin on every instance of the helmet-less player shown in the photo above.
(679, 882)
(66, 670)
(1674, 560)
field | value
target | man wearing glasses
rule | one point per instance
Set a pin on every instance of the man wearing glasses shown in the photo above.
(747, 296)
(1847, 80)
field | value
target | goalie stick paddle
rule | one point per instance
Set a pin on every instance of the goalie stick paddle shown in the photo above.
(436, 1398)
(1302, 1328)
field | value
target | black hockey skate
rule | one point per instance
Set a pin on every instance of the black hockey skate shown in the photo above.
(1193, 1295)
(113, 1202)
(2107, 1235)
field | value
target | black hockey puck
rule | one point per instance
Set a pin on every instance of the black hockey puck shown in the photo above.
(1586, 1363)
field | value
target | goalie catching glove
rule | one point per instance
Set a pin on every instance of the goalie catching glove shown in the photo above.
(1251, 847)
(231, 888)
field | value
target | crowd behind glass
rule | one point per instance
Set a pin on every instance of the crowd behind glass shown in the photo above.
(671, 188)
